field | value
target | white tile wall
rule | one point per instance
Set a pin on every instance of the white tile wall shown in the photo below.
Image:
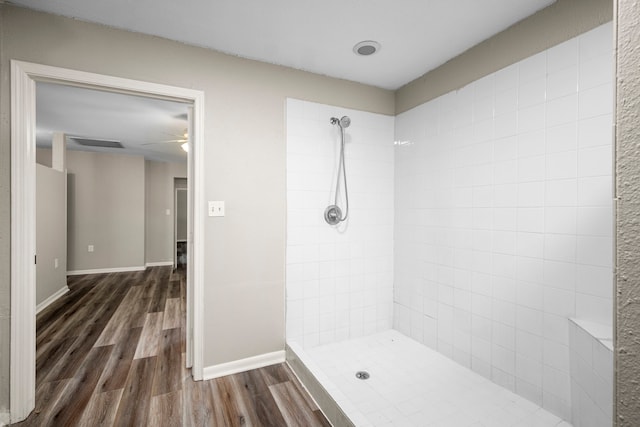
(339, 281)
(503, 221)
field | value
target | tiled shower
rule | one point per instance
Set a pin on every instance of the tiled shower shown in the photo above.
(482, 222)
(339, 279)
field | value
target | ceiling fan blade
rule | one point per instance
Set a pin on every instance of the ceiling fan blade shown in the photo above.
(178, 141)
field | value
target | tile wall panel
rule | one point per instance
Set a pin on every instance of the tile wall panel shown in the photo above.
(503, 221)
(339, 282)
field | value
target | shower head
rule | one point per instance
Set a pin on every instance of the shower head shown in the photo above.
(344, 122)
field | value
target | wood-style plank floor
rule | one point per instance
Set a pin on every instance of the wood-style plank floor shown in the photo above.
(111, 352)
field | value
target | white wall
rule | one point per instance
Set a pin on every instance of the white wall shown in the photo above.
(339, 279)
(504, 216)
(51, 232)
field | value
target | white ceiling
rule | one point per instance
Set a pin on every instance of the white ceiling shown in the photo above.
(317, 36)
(139, 123)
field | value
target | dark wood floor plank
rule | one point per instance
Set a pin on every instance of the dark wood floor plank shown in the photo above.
(166, 410)
(159, 298)
(198, 405)
(173, 289)
(236, 402)
(149, 288)
(275, 374)
(74, 319)
(136, 397)
(76, 395)
(148, 343)
(48, 361)
(222, 411)
(117, 368)
(167, 376)
(289, 402)
(138, 313)
(101, 409)
(117, 324)
(73, 359)
(172, 317)
(120, 367)
(258, 393)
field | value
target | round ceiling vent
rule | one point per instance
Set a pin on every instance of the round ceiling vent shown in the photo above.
(366, 48)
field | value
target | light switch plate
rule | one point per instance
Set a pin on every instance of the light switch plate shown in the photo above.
(216, 208)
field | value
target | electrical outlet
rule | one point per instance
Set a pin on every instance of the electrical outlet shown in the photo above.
(216, 208)
(90, 248)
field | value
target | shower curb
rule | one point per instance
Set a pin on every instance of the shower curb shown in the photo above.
(323, 399)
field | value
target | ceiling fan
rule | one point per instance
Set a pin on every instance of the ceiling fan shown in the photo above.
(182, 139)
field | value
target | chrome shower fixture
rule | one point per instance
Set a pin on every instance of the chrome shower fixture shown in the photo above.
(343, 122)
(333, 213)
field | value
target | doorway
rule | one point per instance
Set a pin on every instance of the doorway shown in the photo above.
(23, 225)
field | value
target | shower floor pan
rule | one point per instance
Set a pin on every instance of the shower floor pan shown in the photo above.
(408, 385)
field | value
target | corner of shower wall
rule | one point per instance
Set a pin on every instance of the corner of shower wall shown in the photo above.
(504, 217)
(339, 279)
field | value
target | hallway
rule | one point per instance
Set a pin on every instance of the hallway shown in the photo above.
(111, 352)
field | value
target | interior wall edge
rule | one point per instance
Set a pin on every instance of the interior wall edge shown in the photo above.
(5, 226)
(627, 187)
(548, 27)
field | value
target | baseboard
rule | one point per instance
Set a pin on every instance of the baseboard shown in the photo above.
(158, 263)
(105, 270)
(242, 365)
(46, 303)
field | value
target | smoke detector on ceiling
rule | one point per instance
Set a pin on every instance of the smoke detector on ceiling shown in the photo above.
(366, 48)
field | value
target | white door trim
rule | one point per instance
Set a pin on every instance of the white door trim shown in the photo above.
(24, 76)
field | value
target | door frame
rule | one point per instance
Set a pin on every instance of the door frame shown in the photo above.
(24, 76)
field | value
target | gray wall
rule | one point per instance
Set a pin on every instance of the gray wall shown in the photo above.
(550, 26)
(159, 195)
(51, 232)
(245, 165)
(181, 214)
(106, 210)
(627, 350)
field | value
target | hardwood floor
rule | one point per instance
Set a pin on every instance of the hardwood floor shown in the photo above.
(111, 352)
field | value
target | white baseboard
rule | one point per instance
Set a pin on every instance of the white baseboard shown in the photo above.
(46, 303)
(158, 263)
(104, 270)
(242, 365)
